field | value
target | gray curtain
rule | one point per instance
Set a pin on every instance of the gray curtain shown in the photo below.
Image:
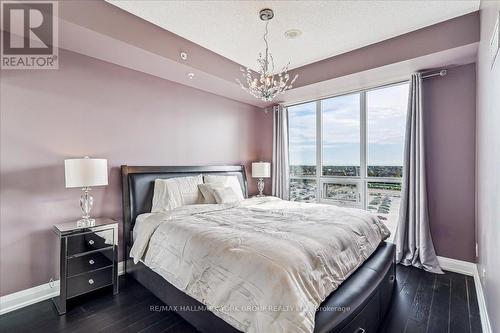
(280, 171)
(413, 238)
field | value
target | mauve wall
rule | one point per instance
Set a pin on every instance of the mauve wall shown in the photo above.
(89, 107)
(449, 116)
(488, 165)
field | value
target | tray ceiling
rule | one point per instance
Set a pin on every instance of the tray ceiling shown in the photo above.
(233, 29)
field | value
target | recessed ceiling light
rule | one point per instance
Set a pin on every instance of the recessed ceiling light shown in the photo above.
(293, 33)
(190, 76)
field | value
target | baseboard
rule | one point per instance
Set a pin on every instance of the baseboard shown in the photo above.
(36, 294)
(29, 296)
(483, 311)
(469, 268)
(457, 266)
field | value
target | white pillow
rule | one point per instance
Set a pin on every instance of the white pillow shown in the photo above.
(175, 192)
(226, 181)
(225, 195)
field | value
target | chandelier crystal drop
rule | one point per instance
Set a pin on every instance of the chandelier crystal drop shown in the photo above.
(267, 84)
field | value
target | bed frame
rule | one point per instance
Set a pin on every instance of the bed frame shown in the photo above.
(357, 306)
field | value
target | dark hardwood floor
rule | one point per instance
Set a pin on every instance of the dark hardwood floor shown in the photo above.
(100, 311)
(433, 303)
(423, 302)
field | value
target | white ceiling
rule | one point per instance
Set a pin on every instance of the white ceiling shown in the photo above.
(234, 30)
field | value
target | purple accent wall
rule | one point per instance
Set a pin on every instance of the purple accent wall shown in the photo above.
(90, 107)
(449, 118)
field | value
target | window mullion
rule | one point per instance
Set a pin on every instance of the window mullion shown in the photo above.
(319, 149)
(363, 137)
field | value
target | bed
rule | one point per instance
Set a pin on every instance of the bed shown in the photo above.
(358, 303)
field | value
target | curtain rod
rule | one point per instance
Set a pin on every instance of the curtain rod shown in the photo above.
(442, 72)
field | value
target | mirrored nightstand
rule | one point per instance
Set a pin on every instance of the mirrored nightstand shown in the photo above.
(88, 258)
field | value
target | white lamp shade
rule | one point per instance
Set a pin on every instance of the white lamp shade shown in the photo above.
(261, 170)
(86, 172)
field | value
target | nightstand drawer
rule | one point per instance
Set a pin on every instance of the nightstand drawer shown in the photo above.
(90, 262)
(86, 282)
(90, 241)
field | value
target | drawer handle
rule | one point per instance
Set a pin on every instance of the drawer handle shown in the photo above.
(91, 242)
(91, 281)
(360, 330)
(91, 261)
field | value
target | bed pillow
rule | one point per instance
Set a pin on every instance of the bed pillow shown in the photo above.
(226, 181)
(175, 192)
(208, 193)
(225, 195)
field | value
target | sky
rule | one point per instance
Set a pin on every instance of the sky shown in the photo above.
(386, 118)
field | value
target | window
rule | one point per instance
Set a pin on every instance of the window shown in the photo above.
(302, 189)
(386, 123)
(341, 135)
(348, 150)
(342, 193)
(302, 139)
(302, 151)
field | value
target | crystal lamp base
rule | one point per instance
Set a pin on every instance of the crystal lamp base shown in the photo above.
(260, 187)
(86, 202)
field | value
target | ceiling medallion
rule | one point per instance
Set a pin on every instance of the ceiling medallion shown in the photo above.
(267, 84)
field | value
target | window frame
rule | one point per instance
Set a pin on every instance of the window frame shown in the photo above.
(363, 179)
(342, 180)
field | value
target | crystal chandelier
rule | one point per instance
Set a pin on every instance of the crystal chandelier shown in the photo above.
(267, 85)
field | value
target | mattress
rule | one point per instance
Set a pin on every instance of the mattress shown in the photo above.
(262, 265)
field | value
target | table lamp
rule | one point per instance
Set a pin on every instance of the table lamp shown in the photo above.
(261, 170)
(86, 172)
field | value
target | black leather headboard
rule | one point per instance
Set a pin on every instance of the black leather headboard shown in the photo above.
(138, 184)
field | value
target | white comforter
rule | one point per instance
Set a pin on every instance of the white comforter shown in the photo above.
(263, 265)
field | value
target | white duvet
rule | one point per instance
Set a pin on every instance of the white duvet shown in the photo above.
(262, 265)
